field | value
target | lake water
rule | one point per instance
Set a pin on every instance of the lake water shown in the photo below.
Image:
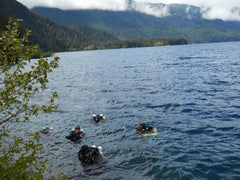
(190, 93)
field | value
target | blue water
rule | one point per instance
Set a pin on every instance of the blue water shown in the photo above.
(190, 93)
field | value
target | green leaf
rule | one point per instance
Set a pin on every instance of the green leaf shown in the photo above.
(19, 158)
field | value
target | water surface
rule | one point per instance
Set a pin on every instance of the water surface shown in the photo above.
(190, 93)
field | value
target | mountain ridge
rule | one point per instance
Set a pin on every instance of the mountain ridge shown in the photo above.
(185, 22)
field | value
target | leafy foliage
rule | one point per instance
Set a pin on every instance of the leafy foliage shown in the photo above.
(18, 86)
(20, 80)
(19, 160)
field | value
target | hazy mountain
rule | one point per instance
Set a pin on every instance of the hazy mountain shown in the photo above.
(150, 21)
(48, 34)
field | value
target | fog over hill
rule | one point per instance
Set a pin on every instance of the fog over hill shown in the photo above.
(170, 21)
(214, 9)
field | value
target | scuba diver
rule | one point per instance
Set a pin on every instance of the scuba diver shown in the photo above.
(142, 128)
(90, 155)
(98, 117)
(144, 131)
(47, 130)
(76, 135)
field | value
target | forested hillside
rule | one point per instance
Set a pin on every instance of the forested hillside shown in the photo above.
(51, 36)
(131, 24)
(3, 20)
(48, 34)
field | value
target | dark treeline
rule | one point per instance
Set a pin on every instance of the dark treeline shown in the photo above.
(136, 43)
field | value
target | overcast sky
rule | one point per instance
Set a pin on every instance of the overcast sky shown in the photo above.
(211, 9)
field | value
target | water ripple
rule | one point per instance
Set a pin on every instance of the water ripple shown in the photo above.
(189, 93)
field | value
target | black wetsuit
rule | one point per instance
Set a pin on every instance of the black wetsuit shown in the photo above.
(75, 136)
(97, 118)
(89, 155)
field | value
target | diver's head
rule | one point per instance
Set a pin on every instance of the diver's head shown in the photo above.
(142, 126)
(45, 130)
(84, 148)
(77, 128)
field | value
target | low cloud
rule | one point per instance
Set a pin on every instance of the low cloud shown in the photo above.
(231, 13)
(210, 9)
(158, 10)
(116, 5)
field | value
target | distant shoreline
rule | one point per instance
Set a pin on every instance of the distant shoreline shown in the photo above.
(117, 44)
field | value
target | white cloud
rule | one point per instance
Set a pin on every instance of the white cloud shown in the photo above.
(117, 5)
(227, 10)
(211, 9)
(159, 10)
(220, 13)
